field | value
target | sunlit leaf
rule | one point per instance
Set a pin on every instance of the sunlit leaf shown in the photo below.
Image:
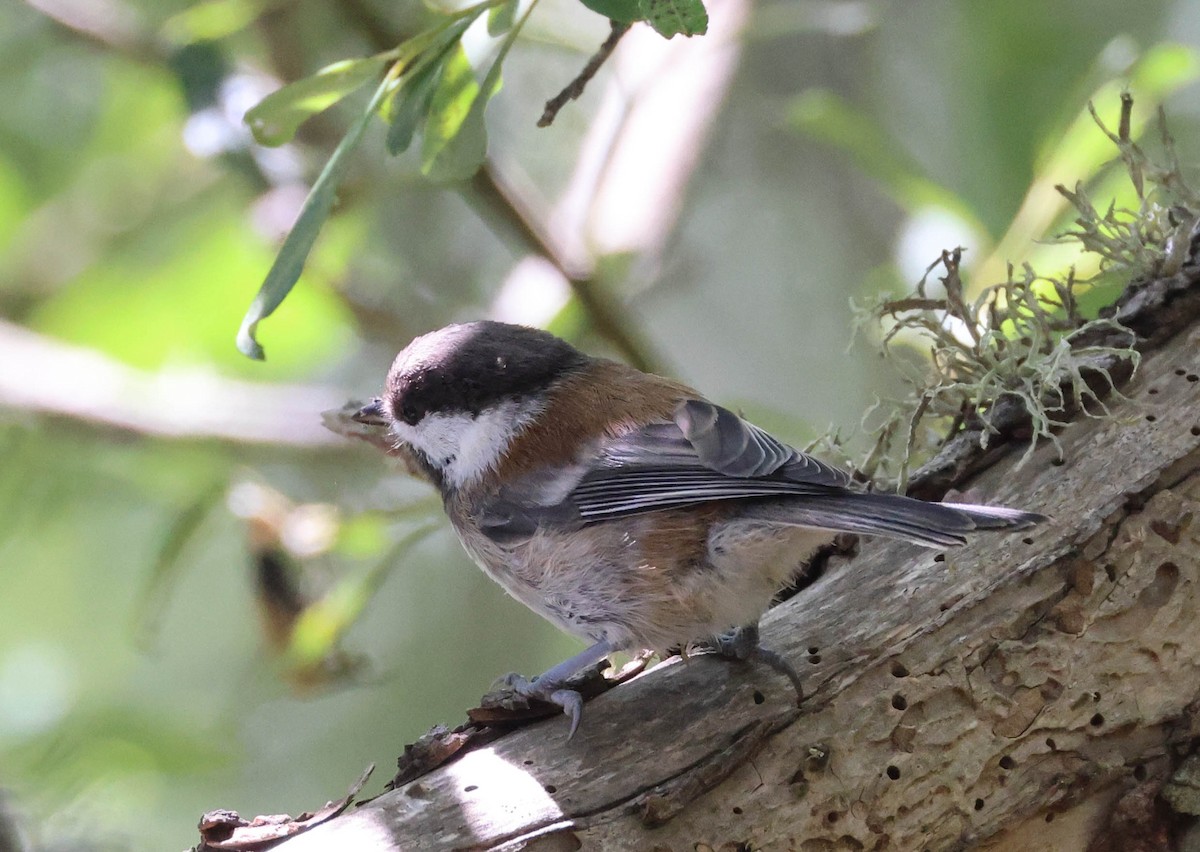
(289, 263)
(672, 17)
(430, 45)
(1081, 150)
(455, 138)
(322, 625)
(363, 536)
(455, 141)
(15, 204)
(625, 11)
(211, 20)
(1166, 67)
(408, 104)
(275, 120)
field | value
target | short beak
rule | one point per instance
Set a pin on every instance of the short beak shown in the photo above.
(370, 414)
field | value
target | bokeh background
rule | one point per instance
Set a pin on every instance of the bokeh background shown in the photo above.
(718, 203)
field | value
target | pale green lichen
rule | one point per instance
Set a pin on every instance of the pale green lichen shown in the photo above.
(1022, 338)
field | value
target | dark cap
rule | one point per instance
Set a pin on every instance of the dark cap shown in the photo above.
(471, 367)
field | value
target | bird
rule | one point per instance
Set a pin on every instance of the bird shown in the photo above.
(625, 507)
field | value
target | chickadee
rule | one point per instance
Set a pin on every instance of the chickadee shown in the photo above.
(625, 507)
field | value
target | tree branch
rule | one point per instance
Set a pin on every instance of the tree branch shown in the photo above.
(500, 207)
(84, 384)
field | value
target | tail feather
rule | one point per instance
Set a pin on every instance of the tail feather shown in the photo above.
(996, 517)
(893, 516)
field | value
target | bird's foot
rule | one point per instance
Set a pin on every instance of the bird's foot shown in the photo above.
(514, 692)
(559, 686)
(743, 644)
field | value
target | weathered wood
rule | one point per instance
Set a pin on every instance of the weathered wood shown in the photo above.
(952, 697)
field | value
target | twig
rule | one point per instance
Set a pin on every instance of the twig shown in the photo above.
(86, 385)
(111, 24)
(500, 203)
(575, 88)
(504, 208)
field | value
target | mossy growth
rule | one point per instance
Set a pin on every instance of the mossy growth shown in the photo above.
(1024, 339)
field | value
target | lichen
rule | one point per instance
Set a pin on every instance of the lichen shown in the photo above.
(1024, 338)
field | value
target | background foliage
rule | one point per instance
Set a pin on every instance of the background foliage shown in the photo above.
(716, 203)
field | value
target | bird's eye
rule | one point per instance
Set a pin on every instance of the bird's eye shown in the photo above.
(408, 412)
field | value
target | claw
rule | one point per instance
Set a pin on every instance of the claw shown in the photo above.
(743, 643)
(776, 661)
(570, 700)
(571, 703)
(550, 686)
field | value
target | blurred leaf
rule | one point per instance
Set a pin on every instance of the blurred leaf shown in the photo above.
(167, 564)
(289, 263)
(276, 118)
(14, 201)
(672, 17)
(1079, 150)
(101, 741)
(1165, 68)
(1082, 150)
(202, 68)
(570, 322)
(171, 294)
(500, 18)
(625, 11)
(364, 535)
(828, 118)
(322, 624)
(212, 20)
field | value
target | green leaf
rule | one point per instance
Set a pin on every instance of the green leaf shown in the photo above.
(670, 17)
(411, 105)
(409, 101)
(625, 11)
(455, 140)
(275, 120)
(323, 624)
(500, 18)
(289, 263)
(212, 20)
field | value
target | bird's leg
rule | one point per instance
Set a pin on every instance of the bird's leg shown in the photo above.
(743, 644)
(549, 685)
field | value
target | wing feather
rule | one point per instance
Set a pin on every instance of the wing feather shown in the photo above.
(706, 453)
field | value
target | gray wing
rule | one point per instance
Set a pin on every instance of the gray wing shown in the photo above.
(709, 453)
(706, 453)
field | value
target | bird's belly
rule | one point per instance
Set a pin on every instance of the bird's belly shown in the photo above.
(649, 582)
(554, 576)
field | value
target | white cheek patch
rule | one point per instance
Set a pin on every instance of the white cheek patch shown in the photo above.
(464, 447)
(437, 436)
